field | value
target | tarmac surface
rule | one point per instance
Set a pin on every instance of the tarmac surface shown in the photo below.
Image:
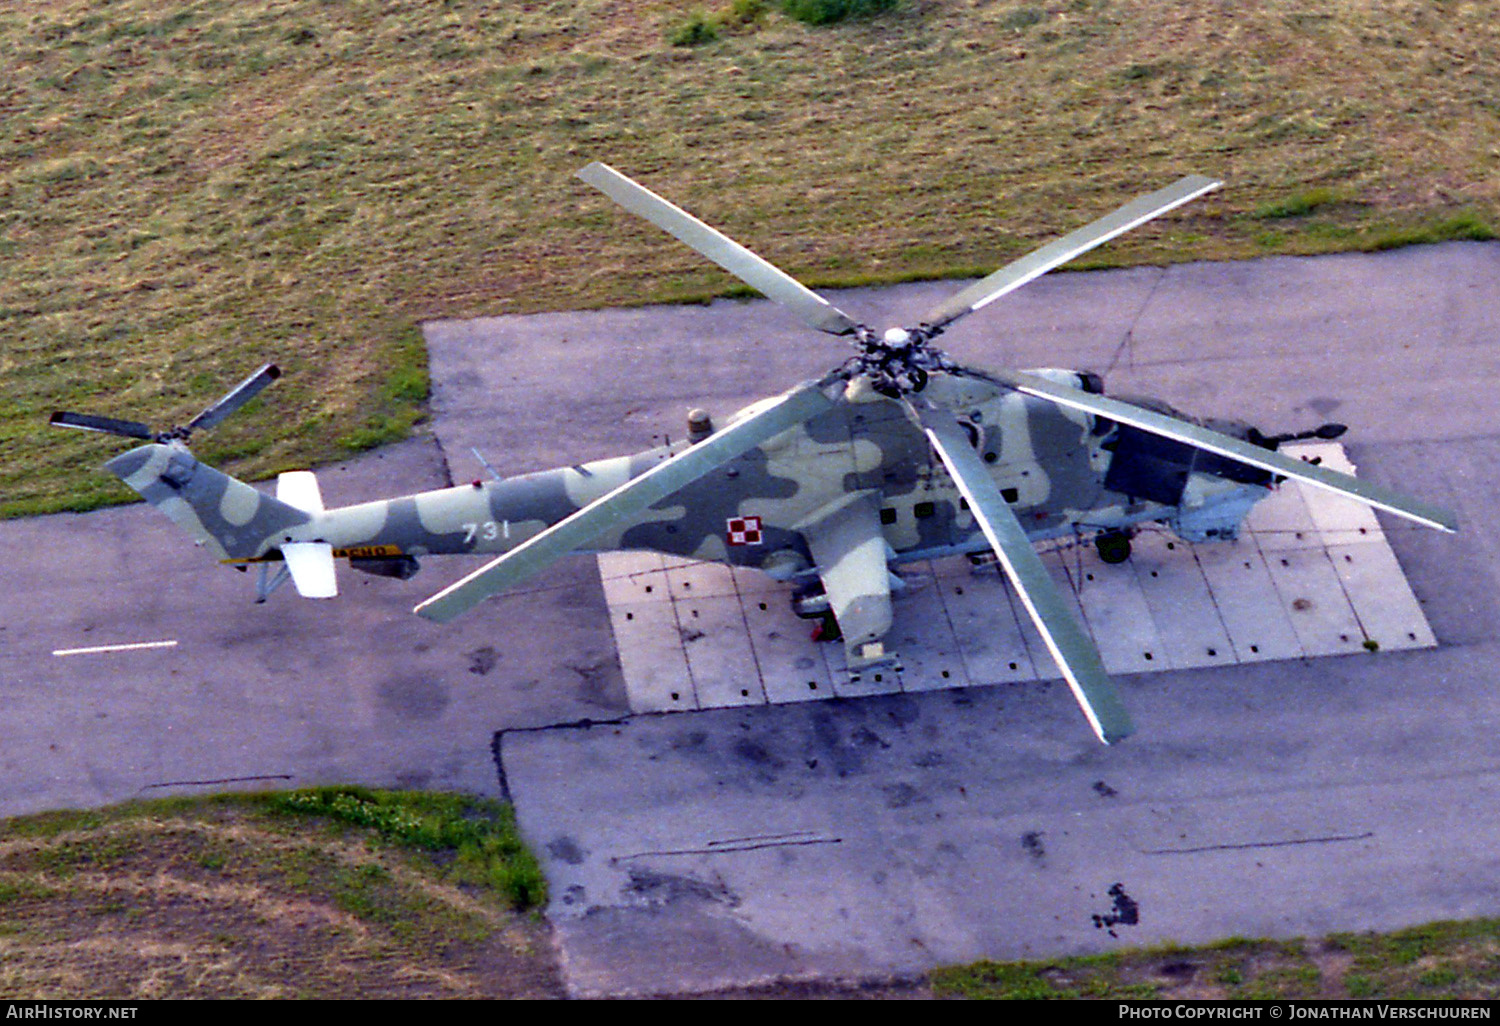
(857, 838)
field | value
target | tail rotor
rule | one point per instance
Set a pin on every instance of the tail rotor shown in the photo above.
(213, 415)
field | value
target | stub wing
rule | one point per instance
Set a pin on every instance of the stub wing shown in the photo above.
(850, 550)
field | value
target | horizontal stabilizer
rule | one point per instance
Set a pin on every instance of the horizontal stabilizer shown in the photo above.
(299, 488)
(311, 567)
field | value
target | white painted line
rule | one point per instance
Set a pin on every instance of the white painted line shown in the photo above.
(113, 648)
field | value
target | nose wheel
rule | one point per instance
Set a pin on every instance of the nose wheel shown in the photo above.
(1112, 546)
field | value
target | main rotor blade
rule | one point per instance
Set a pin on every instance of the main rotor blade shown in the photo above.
(235, 398)
(1073, 650)
(1013, 275)
(758, 273)
(109, 425)
(1233, 448)
(626, 502)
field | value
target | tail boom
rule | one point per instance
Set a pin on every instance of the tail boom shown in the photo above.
(228, 517)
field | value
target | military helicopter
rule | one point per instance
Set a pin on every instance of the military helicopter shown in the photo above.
(900, 453)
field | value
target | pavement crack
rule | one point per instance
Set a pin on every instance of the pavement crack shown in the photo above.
(1330, 839)
(219, 780)
(733, 845)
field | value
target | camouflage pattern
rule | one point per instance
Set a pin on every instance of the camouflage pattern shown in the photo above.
(835, 500)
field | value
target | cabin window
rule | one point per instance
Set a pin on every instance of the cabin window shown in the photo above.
(888, 516)
(1010, 494)
(923, 510)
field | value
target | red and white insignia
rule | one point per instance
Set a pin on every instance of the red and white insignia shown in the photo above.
(743, 530)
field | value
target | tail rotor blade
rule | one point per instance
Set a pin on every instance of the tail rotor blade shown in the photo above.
(108, 425)
(235, 398)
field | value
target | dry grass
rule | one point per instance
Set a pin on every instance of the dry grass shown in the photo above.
(227, 898)
(188, 189)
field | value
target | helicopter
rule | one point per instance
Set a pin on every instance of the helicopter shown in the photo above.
(899, 453)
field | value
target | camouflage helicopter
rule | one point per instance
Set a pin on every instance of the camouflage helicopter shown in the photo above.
(898, 454)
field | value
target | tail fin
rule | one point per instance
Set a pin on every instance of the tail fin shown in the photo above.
(230, 518)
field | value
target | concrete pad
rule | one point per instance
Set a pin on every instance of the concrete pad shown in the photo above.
(1381, 599)
(1313, 597)
(1116, 612)
(923, 635)
(904, 832)
(1246, 598)
(720, 660)
(788, 671)
(1177, 596)
(652, 656)
(1292, 587)
(984, 624)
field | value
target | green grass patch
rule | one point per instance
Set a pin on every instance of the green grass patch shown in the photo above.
(1297, 205)
(1462, 227)
(1090, 976)
(1439, 960)
(826, 12)
(694, 30)
(481, 836)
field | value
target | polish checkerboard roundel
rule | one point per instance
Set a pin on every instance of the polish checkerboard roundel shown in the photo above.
(743, 530)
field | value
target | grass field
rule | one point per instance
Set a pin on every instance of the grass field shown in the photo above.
(1452, 960)
(331, 893)
(189, 189)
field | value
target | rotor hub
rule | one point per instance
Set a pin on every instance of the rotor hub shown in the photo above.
(896, 339)
(899, 361)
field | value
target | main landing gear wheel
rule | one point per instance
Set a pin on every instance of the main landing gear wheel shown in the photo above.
(827, 628)
(1112, 546)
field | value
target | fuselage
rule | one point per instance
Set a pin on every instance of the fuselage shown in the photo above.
(1052, 464)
